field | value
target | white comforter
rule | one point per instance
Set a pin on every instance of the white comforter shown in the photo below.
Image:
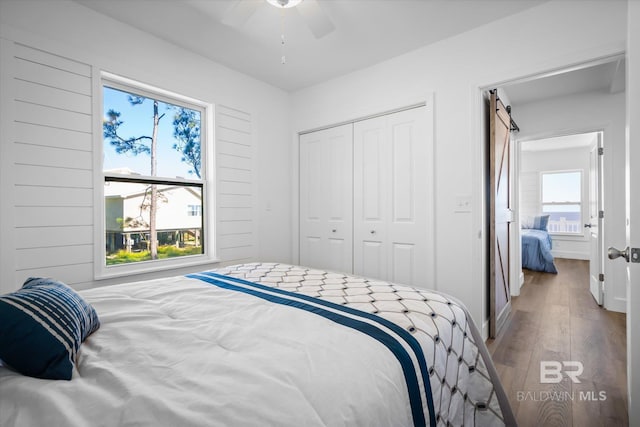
(183, 352)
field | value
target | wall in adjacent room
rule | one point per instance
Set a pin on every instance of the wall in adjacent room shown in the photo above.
(592, 111)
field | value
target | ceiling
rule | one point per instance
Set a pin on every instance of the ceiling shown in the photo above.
(560, 142)
(366, 32)
(607, 76)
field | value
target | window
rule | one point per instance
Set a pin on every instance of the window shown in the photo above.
(194, 210)
(152, 167)
(562, 200)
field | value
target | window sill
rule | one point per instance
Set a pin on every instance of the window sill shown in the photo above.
(568, 236)
(143, 267)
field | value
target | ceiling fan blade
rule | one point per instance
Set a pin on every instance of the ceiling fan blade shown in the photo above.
(318, 21)
(239, 12)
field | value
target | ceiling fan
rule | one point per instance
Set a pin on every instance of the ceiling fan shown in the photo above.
(317, 21)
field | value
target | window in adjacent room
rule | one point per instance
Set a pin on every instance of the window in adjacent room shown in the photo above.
(562, 200)
(153, 166)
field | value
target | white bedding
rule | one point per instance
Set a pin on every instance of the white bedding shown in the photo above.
(183, 352)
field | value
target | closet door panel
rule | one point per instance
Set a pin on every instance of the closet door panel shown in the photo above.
(370, 154)
(372, 255)
(326, 194)
(408, 225)
(338, 175)
(404, 263)
(408, 177)
(402, 177)
(311, 192)
(339, 256)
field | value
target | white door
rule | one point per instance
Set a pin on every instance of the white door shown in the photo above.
(326, 199)
(594, 224)
(390, 197)
(633, 210)
(370, 188)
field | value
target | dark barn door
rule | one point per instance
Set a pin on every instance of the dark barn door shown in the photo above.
(500, 214)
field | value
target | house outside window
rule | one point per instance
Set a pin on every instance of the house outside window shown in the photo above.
(153, 165)
(562, 201)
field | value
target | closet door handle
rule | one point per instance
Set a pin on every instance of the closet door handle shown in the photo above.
(334, 230)
(373, 231)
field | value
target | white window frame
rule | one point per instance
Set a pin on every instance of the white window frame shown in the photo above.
(580, 203)
(208, 209)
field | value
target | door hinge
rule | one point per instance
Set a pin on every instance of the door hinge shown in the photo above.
(601, 214)
(601, 277)
(601, 150)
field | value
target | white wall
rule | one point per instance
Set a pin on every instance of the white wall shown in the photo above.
(592, 111)
(66, 32)
(532, 163)
(550, 36)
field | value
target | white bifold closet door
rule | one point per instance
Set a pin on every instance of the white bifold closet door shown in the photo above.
(326, 199)
(390, 197)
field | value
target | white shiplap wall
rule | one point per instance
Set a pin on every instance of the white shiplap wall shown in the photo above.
(235, 195)
(52, 166)
(50, 155)
(529, 194)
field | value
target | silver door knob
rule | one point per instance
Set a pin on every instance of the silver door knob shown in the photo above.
(334, 230)
(373, 231)
(587, 225)
(614, 253)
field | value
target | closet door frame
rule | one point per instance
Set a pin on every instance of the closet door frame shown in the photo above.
(429, 186)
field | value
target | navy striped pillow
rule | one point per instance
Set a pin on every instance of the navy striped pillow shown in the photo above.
(42, 326)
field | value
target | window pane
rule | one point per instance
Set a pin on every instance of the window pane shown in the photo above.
(561, 187)
(128, 129)
(564, 218)
(127, 221)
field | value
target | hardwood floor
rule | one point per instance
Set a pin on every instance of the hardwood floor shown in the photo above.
(555, 318)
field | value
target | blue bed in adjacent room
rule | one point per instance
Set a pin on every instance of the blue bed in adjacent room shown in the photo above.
(536, 250)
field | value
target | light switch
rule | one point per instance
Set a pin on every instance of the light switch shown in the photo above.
(462, 204)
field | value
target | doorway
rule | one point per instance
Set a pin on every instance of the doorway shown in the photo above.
(545, 108)
(560, 178)
(585, 99)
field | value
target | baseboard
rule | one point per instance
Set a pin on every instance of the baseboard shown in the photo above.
(570, 255)
(521, 278)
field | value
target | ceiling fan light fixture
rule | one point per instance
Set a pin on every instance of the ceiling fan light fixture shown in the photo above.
(284, 4)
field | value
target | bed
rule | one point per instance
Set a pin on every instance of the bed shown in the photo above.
(270, 345)
(536, 251)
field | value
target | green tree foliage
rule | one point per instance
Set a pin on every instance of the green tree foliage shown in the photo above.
(186, 129)
(133, 145)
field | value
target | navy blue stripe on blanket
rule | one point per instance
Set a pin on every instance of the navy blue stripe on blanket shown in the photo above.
(373, 331)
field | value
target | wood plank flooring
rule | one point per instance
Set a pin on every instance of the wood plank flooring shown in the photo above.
(555, 318)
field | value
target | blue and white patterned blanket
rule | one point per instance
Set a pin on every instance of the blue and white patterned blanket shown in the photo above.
(269, 344)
